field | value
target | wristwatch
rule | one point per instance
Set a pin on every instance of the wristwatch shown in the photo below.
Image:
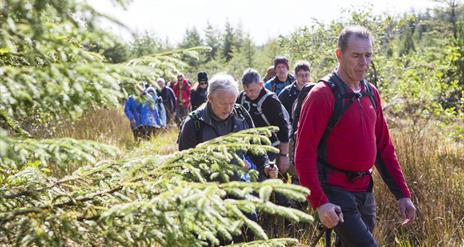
(283, 155)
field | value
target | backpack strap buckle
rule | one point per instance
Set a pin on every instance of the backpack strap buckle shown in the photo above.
(354, 175)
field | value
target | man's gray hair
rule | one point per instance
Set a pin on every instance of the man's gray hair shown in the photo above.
(250, 76)
(357, 31)
(161, 79)
(222, 82)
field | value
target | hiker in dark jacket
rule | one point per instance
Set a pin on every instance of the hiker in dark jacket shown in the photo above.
(169, 99)
(266, 110)
(282, 78)
(219, 116)
(198, 95)
(290, 93)
(288, 96)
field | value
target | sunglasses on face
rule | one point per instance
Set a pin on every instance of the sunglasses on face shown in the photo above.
(203, 83)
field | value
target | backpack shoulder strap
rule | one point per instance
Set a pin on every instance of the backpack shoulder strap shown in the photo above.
(242, 98)
(196, 120)
(196, 124)
(296, 108)
(273, 85)
(369, 92)
(339, 90)
(243, 114)
(259, 106)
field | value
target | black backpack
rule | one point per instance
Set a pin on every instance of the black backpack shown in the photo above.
(339, 90)
(257, 108)
(296, 107)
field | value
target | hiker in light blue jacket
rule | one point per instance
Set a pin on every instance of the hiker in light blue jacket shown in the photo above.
(161, 117)
(145, 113)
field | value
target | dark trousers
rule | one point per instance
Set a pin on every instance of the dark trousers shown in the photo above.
(181, 114)
(143, 132)
(359, 213)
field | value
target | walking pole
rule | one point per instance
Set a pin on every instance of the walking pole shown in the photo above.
(328, 233)
(322, 230)
(328, 237)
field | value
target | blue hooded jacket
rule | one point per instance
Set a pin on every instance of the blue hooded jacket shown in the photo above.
(274, 85)
(146, 111)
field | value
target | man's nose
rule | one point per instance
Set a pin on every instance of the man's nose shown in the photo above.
(363, 60)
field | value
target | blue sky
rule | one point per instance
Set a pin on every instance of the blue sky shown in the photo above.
(263, 19)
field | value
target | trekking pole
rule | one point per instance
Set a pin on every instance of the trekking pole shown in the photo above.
(322, 230)
(328, 237)
(328, 233)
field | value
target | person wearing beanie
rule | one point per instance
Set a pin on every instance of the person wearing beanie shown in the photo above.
(199, 95)
(282, 78)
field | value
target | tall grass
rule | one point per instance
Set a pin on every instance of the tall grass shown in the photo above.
(108, 126)
(432, 163)
(434, 169)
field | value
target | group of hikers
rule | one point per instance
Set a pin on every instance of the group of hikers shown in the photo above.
(331, 133)
(156, 107)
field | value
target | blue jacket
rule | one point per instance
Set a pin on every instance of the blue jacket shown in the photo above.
(274, 85)
(150, 112)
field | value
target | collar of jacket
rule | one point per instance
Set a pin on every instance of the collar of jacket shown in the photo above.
(294, 87)
(261, 94)
(204, 114)
(290, 78)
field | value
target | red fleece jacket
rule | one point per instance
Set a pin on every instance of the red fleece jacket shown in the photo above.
(353, 145)
(184, 90)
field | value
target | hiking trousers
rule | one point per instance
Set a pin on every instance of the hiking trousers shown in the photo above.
(359, 212)
(181, 114)
(143, 132)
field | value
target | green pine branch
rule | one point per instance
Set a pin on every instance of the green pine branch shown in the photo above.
(148, 199)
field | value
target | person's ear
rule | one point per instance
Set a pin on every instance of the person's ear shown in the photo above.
(339, 54)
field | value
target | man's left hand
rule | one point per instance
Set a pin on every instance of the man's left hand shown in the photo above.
(283, 163)
(407, 210)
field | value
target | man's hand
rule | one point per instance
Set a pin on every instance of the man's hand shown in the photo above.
(247, 165)
(132, 123)
(407, 210)
(271, 172)
(330, 215)
(283, 163)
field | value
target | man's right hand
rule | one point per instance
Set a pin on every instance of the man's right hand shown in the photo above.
(330, 215)
(271, 171)
(132, 123)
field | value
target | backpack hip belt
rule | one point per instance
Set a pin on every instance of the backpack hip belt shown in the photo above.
(352, 175)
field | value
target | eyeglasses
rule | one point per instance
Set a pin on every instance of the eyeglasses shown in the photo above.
(203, 83)
(303, 74)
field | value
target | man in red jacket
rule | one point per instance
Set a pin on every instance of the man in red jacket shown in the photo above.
(336, 163)
(182, 91)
